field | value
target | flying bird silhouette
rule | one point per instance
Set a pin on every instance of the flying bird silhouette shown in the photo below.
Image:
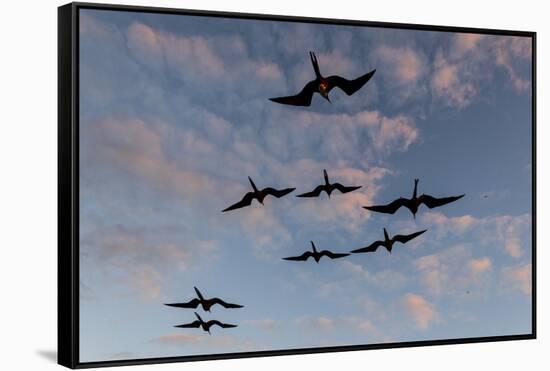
(413, 203)
(317, 255)
(259, 195)
(205, 325)
(388, 242)
(328, 188)
(206, 304)
(323, 85)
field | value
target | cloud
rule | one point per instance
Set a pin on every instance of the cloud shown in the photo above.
(465, 42)
(509, 229)
(385, 278)
(322, 323)
(449, 84)
(388, 134)
(423, 313)
(138, 148)
(505, 231)
(520, 278)
(462, 71)
(403, 64)
(191, 58)
(133, 258)
(435, 272)
(220, 341)
(346, 213)
(506, 52)
(452, 270)
(266, 323)
(480, 265)
(456, 224)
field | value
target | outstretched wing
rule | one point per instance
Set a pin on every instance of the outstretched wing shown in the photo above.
(303, 98)
(333, 255)
(303, 257)
(391, 207)
(277, 192)
(246, 201)
(432, 202)
(344, 189)
(224, 304)
(194, 324)
(218, 323)
(315, 193)
(370, 248)
(191, 304)
(349, 86)
(407, 237)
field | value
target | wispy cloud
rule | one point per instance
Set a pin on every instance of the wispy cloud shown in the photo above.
(452, 270)
(193, 57)
(265, 323)
(505, 231)
(423, 312)
(520, 278)
(449, 84)
(480, 265)
(403, 64)
(223, 341)
(384, 278)
(459, 72)
(137, 262)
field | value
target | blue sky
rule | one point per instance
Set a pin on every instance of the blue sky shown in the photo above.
(175, 116)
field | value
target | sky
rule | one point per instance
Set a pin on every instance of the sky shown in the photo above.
(174, 115)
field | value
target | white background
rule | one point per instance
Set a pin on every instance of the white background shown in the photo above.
(28, 159)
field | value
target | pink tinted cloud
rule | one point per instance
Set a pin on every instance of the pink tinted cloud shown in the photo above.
(507, 50)
(480, 265)
(503, 230)
(322, 323)
(137, 264)
(520, 278)
(266, 323)
(422, 312)
(197, 55)
(405, 64)
(452, 270)
(458, 73)
(448, 83)
(465, 42)
(226, 341)
(137, 147)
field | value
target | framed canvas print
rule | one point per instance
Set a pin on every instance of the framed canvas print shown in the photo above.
(239, 185)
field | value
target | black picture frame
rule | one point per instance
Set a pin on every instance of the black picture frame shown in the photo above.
(68, 184)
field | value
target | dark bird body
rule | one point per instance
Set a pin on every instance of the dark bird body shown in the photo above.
(413, 203)
(206, 304)
(328, 188)
(258, 195)
(388, 242)
(317, 255)
(205, 325)
(323, 85)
